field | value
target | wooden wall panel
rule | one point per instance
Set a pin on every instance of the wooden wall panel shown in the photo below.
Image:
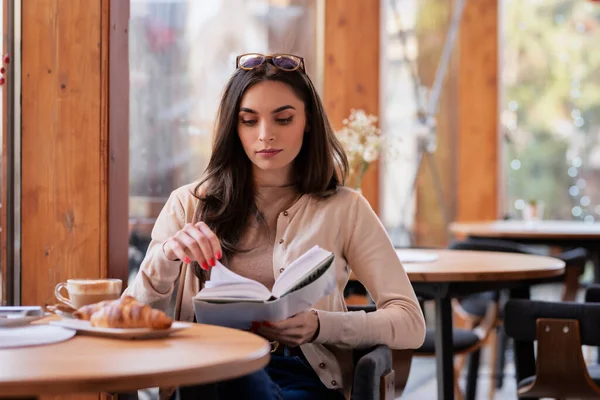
(478, 140)
(61, 163)
(351, 76)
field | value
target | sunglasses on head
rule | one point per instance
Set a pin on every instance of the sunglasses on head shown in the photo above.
(286, 62)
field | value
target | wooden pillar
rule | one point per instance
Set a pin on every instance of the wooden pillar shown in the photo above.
(74, 143)
(351, 76)
(478, 170)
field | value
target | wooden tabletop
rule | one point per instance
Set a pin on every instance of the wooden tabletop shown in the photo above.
(469, 266)
(200, 354)
(571, 230)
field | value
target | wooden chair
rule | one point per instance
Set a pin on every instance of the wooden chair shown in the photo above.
(560, 330)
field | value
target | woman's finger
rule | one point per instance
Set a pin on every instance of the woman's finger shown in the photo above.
(177, 250)
(190, 247)
(217, 251)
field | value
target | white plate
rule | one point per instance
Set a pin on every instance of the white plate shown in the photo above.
(85, 328)
(33, 335)
(18, 321)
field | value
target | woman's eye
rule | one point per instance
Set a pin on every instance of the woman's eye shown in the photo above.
(284, 121)
(249, 122)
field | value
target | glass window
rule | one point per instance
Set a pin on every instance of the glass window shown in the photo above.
(413, 35)
(550, 107)
(181, 54)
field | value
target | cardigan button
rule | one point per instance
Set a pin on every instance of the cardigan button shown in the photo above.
(281, 270)
(280, 241)
(285, 213)
(322, 365)
(333, 383)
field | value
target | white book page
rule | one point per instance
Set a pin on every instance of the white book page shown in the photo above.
(299, 269)
(225, 283)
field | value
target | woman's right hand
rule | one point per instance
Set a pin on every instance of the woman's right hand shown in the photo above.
(195, 242)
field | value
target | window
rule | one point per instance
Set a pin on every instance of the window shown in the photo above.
(413, 35)
(181, 54)
(550, 107)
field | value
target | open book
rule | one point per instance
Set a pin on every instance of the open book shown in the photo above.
(231, 300)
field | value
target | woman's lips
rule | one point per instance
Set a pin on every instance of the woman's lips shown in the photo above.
(268, 153)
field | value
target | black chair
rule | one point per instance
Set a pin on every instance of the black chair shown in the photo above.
(379, 372)
(560, 330)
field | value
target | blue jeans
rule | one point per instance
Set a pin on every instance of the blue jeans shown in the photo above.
(285, 378)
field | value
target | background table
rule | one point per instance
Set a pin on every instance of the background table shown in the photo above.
(457, 273)
(550, 233)
(197, 355)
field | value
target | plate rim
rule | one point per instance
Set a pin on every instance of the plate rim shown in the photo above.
(119, 332)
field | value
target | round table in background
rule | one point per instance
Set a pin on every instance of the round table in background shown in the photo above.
(460, 272)
(545, 232)
(85, 364)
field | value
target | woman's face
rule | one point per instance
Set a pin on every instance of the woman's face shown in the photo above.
(271, 126)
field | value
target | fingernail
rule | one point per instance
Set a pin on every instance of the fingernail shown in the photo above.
(187, 260)
(267, 323)
(218, 255)
(204, 265)
(212, 262)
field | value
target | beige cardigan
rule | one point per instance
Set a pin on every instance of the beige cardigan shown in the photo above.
(344, 224)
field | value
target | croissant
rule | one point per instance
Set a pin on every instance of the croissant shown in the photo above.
(86, 312)
(131, 315)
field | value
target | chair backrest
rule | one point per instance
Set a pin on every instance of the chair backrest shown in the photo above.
(520, 318)
(560, 329)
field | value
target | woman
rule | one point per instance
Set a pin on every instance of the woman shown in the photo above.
(272, 190)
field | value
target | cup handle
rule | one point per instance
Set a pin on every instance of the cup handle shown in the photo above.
(60, 297)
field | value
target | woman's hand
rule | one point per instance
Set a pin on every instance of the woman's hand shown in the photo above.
(299, 329)
(195, 242)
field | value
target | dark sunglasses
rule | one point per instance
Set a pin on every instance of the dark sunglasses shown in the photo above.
(286, 62)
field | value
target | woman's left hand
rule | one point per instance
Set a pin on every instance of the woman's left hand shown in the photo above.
(299, 329)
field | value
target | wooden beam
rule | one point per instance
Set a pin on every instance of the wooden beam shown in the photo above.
(351, 76)
(478, 174)
(6, 181)
(117, 244)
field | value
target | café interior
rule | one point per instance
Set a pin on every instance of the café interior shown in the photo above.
(472, 129)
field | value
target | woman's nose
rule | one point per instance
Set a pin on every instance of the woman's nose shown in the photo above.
(266, 133)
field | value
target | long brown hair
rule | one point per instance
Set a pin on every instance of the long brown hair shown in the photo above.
(227, 197)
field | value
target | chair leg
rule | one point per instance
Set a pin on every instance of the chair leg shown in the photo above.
(493, 341)
(502, 344)
(472, 372)
(458, 395)
(571, 283)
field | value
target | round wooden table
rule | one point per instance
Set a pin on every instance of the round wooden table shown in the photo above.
(481, 266)
(84, 364)
(545, 232)
(459, 272)
(533, 230)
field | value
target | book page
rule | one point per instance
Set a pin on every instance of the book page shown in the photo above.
(301, 270)
(225, 283)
